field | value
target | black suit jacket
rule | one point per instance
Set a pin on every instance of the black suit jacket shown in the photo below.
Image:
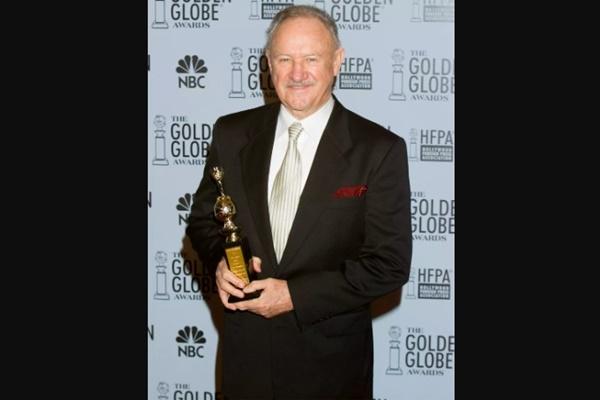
(349, 244)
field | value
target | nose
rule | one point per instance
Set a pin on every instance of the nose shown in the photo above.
(298, 71)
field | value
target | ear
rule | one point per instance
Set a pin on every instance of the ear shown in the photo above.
(268, 55)
(338, 57)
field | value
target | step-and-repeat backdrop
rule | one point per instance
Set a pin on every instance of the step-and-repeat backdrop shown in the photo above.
(205, 59)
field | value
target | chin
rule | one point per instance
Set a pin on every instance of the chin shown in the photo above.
(298, 105)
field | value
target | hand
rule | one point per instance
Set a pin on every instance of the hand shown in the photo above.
(274, 300)
(229, 284)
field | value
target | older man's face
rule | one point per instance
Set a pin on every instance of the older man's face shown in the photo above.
(303, 62)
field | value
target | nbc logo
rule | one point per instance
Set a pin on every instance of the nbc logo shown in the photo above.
(193, 69)
(184, 205)
(193, 338)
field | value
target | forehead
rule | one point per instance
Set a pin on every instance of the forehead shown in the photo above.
(308, 33)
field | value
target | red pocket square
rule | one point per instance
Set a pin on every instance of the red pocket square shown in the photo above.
(350, 191)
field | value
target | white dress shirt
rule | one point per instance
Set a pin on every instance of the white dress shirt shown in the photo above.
(308, 141)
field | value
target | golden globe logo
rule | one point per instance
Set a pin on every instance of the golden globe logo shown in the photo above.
(185, 391)
(357, 10)
(196, 10)
(191, 279)
(357, 14)
(431, 78)
(428, 354)
(189, 140)
(258, 70)
(432, 218)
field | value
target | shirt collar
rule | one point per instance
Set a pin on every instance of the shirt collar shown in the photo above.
(313, 122)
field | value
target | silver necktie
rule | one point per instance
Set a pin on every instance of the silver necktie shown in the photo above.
(286, 192)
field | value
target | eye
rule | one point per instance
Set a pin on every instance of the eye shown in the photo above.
(284, 59)
(312, 59)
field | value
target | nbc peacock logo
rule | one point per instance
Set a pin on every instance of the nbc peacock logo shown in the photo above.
(184, 205)
(192, 70)
(150, 330)
(191, 341)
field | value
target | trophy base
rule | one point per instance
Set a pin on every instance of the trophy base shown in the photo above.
(161, 296)
(157, 161)
(395, 96)
(160, 25)
(248, 296)
(254, 17)
(390, 371)
(237, 95)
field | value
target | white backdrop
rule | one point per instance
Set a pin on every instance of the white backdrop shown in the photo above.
(205, 61)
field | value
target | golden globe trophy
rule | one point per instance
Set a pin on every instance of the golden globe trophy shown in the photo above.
(237, 251)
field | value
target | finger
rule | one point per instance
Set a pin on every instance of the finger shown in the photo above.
(233, 279)
(256, 263)
(228, 288)
(225, 300)
(222, 265)
(226, 274)
(255, 285)
(247, 305)
(232, 290)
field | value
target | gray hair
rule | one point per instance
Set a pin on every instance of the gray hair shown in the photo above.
(307, 12)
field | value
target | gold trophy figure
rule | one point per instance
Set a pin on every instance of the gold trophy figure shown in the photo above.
(237, 251)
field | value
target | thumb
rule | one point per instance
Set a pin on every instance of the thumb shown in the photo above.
(256, 263)
(255, 285)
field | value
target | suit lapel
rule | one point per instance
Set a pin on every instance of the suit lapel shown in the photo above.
(322, 181)
(255, 162)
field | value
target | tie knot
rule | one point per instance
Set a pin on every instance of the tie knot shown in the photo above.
(295, 130)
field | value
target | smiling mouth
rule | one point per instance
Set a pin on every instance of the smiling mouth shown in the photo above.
(304, 86)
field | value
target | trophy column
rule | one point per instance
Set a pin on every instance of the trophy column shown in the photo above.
(161, 276)
(160, 143)
(413, 153)
(236, 74)
(397, 76)
(410, 287)
(159, 15)
(416, 11)
(394, 361)
(254, 10)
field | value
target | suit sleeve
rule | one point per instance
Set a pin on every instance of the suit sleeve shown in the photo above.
(384, 259)
(203, 229)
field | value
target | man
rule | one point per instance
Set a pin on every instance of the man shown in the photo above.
(322, 195)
